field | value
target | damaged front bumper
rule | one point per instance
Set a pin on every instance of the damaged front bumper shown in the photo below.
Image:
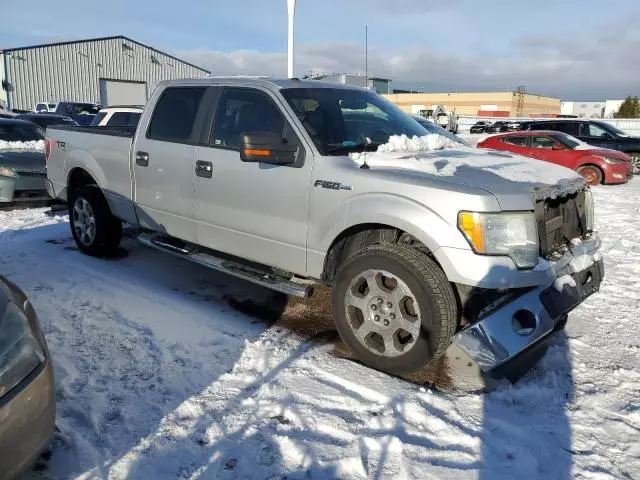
(509, 340)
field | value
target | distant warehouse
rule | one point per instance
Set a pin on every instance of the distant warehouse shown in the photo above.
(484, 104)
(109, 71)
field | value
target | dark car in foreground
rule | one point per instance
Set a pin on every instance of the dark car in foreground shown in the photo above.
(27, 401)
(597, 133)
(479, 126)
(23, 172)
(43, 120)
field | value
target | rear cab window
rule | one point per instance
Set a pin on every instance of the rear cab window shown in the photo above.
(175, 114)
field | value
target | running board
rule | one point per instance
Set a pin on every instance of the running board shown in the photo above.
(234, 269)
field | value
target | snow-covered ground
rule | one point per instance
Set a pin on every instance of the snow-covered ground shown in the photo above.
(159, 376)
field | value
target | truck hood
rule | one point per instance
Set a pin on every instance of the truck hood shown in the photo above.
(23, 160)
(512, 179)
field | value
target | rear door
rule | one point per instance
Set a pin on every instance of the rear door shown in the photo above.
(163, 162)
(252, 210)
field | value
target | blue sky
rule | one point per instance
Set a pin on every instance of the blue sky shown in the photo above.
(577, 49)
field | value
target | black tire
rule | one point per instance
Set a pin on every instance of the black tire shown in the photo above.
(431, 289)
(108, 229)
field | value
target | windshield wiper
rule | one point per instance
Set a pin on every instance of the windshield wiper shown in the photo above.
(352, 147)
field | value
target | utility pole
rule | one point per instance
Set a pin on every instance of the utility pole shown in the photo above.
(291, 4)
(366, 57)
(520, 96)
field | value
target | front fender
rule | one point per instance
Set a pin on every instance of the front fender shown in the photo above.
(386, 209)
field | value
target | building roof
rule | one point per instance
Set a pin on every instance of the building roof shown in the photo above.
(99, 39)
(276, 82)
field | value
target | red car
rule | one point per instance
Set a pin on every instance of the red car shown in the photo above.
(596, 165)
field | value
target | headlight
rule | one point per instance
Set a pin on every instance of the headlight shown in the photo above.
(20, 352)
(589, 210)
(612, 160)
(511, 234)
(7, 172)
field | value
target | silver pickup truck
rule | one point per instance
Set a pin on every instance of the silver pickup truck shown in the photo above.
(291, 183)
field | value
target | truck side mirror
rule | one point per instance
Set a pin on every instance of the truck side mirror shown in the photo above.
(267, 147)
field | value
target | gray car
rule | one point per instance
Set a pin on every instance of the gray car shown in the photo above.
(27, 402)
(23, 171)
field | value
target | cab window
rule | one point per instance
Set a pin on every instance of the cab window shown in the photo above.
(246, 110)
(175, 114)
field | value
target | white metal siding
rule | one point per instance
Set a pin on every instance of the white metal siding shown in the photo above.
(114, 92)
(72, 72)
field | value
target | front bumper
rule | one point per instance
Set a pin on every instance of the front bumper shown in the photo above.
(511, 337)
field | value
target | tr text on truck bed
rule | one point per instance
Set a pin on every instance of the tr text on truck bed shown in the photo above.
(264, 179)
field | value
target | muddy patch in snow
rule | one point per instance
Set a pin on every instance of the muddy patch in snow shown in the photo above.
(311, 319)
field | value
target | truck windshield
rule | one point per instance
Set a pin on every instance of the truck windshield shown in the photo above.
(341, 119)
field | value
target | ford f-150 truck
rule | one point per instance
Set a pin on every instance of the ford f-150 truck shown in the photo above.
(291, 183)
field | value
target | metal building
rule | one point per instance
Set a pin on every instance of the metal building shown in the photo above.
(109, 71)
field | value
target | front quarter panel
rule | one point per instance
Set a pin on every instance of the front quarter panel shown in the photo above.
(425, 208)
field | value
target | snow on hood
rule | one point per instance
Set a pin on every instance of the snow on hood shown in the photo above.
(434, 154)
(31, 145)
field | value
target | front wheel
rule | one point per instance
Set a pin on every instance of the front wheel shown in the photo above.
(394, 308)
(591, 174)
(96, 231)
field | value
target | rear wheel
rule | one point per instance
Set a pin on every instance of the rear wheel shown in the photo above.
(394, 308)
(591, 173)
(96, 231)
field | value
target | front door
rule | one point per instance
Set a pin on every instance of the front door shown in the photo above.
(252, 210)
(164, 163)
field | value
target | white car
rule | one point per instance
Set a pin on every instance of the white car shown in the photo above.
(118, 116)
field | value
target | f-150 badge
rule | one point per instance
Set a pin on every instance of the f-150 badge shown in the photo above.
(331, 185)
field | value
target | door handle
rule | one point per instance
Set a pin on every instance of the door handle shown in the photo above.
(204, 169)
(142, 159)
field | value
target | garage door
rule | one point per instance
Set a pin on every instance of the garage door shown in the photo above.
(113, 92)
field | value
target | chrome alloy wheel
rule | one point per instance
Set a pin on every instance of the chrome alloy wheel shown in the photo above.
(383, 313)
(84, 222)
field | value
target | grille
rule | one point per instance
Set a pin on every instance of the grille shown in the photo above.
(559, 221)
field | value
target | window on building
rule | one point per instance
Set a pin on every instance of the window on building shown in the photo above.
(175, 114)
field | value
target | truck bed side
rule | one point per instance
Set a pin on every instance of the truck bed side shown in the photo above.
(103, 153)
